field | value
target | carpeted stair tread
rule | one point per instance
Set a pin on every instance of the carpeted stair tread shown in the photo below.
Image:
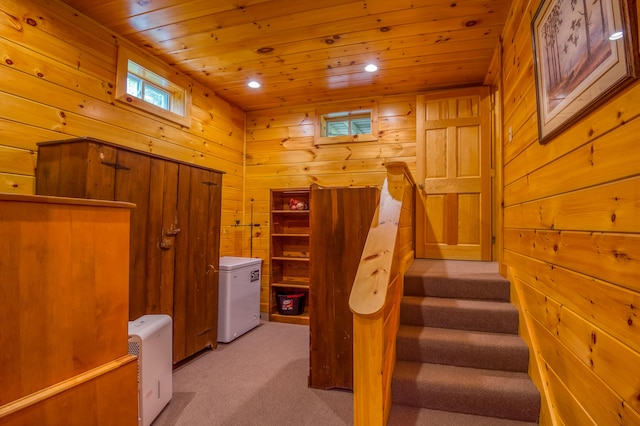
(486, 286)
(464, 279)
(491, 351)
(502, 394)
(477, 315)
(405, 415)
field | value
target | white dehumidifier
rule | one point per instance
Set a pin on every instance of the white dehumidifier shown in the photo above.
(150, 339)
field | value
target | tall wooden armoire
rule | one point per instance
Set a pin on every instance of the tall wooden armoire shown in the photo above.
(175, 228)
(340, 222)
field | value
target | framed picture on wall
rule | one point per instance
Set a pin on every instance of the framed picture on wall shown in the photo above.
(584, 51)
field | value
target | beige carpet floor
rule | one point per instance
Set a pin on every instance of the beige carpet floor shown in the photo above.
(258, 379)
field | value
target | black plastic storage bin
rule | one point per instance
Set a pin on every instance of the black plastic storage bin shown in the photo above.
(290, 303)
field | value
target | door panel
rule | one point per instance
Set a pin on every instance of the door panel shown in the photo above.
(453, 164)
(132, 185)
(162, 228)
(196, 283)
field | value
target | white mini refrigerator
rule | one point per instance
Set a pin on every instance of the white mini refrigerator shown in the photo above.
(238, 296)
(150, 339)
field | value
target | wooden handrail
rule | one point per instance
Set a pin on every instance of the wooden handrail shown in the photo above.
(375, 296)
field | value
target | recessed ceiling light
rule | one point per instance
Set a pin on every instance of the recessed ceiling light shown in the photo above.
(616, 36)
(371, 68)
(253, 84)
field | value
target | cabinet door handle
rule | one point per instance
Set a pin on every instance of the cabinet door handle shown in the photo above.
(115, 165)
(208, 183)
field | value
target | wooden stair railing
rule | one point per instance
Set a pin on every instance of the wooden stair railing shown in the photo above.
(375, 296)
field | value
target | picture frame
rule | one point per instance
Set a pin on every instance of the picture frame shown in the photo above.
(578, 62)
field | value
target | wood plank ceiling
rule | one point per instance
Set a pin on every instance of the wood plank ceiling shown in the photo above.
(306, 51)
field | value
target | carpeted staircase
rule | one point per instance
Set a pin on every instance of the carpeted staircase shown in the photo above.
(460, 360)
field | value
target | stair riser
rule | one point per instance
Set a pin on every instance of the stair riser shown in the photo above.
(459, 354)
(490, 402)
(488, 321)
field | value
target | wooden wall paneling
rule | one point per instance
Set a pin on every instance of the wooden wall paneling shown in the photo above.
(607, 306)
(614, 208)
(604, 355)
(611, 257)
(71, 112)
(17, 160)
(54, 23)
(568, 410)
(537, 370)
(17, 184)
(607, 160)
(22, 58)
(22, 136)
(597, 400)
(609, 117)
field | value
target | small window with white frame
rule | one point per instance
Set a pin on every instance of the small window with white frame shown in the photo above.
(346, 123)
(153, 87)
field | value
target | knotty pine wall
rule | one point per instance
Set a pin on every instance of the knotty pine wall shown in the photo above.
(57, 77)
(281, 153)
(572, 242)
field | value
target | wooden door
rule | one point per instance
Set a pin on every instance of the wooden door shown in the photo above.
(340, 222)
(453, 167)
(195, 304)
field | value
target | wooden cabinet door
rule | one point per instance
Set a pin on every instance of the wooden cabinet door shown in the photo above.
(162, 230)
(132, 185)
(197, 249)
(340, 222)
(453, 161)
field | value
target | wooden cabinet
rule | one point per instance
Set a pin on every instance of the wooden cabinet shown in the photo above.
(175, 228)
(289, 260)
(340, 222)
(64, 311)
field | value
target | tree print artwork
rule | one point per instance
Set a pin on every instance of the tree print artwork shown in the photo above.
(574, 51)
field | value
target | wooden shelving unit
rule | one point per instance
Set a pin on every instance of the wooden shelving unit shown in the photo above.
(289, 258)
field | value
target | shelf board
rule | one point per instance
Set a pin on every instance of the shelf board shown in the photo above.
(291, 284)
(289, 211)
(302, 319)
(290, 235)
(296, 259)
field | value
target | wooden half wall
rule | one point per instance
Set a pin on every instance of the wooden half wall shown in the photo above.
(571, 240)
(57, 81)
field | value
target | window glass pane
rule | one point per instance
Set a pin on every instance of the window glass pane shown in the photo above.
(360, 126)
(337, 128)
(134, 86)
(156, 96)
